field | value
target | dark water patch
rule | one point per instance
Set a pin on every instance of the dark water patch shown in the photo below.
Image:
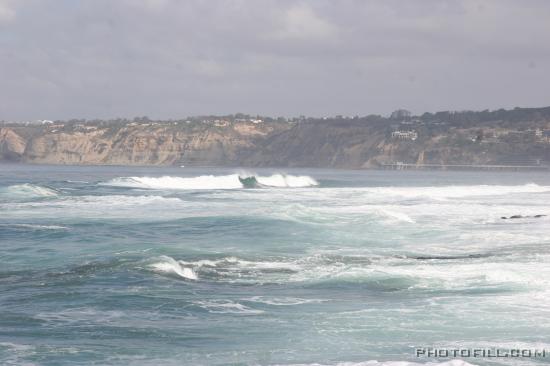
(52, 276)
(476, 291)
(40, 231)
(514, 217)
(369, 285)
(191, 225)
(451, 257)
(18, 319)
(90, 268)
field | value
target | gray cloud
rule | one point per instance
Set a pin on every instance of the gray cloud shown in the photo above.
(171, 58)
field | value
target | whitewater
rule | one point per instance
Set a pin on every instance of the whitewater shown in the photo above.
(211, 266)
(232, 181)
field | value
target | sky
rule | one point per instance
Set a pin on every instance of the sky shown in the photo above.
(62, 59)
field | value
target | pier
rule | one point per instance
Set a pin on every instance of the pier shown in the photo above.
(410, 166)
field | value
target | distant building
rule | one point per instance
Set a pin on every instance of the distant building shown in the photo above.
(405, 135)
(401, 114)
(545, 136)
(542, 135)
(221, 123)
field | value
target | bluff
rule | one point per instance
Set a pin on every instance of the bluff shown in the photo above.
(515, 137)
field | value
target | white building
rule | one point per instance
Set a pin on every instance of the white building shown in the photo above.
(405, 135)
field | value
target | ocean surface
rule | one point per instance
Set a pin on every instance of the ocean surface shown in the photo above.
(189, 266)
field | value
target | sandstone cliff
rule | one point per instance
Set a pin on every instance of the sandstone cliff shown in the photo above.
(161, 144)
(340, 143)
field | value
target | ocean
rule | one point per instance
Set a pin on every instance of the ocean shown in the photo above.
(211, 266)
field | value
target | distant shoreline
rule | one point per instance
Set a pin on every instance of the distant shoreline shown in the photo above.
(517, 139)
(385, 167)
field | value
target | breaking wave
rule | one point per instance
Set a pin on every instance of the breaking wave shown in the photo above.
(278, 180)
(169, 265)
(27, 191)
(232, 181)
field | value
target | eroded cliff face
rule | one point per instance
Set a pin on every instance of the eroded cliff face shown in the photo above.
(132, 144)
(321, 144)
(349, 144)
(12, 146)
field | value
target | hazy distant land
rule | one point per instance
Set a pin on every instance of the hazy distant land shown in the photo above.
(502, 138)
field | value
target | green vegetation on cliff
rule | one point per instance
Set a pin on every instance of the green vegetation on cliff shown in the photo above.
(503, 137)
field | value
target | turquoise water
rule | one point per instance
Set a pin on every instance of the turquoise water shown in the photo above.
(186, 266)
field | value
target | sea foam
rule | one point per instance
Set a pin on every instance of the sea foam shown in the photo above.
(389, 363)
(35, 227)
(227, 307)
(442, 192)
(283, 180)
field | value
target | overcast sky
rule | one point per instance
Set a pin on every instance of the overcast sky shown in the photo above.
(64, 59)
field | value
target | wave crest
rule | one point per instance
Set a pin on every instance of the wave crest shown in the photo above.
(27, 190)
(232, 181)
(279, 181)
(170, 266)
